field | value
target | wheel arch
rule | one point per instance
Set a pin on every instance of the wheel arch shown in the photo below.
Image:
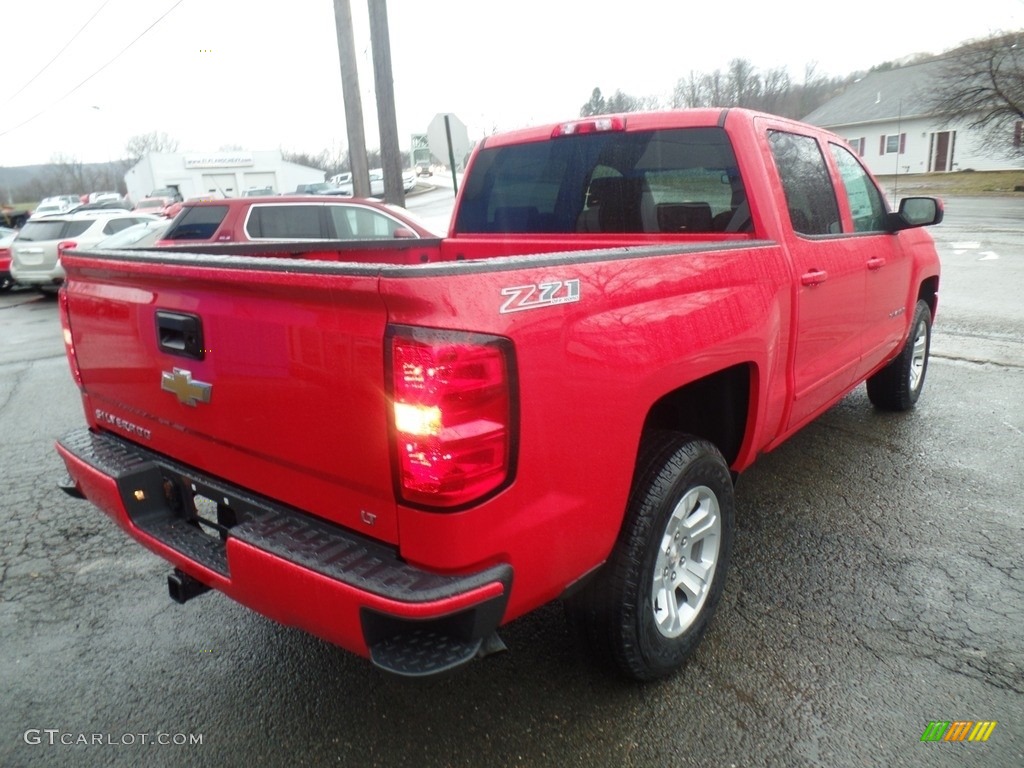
(928, 292)
(715, 407)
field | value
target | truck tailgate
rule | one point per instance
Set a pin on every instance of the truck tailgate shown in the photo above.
(265, 373)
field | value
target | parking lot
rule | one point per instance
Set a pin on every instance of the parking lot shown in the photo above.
(876, 586)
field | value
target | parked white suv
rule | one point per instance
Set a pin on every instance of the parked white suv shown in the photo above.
(36, 251)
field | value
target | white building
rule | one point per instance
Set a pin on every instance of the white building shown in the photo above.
(885, 117)
(222, 174)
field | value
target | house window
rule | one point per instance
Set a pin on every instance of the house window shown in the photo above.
(857, 145)
(890, 145)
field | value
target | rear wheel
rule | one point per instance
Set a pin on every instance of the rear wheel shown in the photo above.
(650, 604)
(898, 386)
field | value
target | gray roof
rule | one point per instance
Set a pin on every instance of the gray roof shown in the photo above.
(881, 96)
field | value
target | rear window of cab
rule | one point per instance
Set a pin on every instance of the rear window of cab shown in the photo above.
(676, 181)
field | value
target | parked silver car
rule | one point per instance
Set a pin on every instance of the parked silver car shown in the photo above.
(141, 235)
(36, 251)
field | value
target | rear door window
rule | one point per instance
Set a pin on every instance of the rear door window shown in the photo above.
(198, 222)
(78, 227)
(291, 222)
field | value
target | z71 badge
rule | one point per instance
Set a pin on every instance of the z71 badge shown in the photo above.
(523, 297)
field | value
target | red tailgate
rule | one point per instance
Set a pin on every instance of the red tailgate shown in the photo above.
(263, 373)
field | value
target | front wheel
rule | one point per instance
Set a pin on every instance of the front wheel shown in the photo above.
(650, 604)
(898, 385)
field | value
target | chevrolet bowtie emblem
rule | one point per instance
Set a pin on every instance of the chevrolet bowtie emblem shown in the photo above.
(179, 383)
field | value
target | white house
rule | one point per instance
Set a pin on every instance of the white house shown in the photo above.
(885, 117)
(222, 174)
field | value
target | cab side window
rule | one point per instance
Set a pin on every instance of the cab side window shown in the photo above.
(301, 222)
(806, 183)
(867, 206)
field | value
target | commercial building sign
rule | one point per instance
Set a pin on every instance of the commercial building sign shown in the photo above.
(220, 160)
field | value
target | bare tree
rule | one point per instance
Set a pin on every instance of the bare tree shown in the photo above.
(715, 89)
(775, 86)
(68, 173)
(623, 102)
(320, 160)
(141, 145)
(744, 84)
(982, 85)
(616, 103)
(689, 92)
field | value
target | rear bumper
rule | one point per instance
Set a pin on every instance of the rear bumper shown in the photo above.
(36, 275)
(290, 566)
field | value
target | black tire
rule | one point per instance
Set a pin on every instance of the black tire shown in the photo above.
(6, 283)
(898, 385)
(621, 616)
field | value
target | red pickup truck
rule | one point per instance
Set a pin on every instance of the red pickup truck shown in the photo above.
(400, 446)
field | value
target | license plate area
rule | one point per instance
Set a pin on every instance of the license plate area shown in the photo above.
(186, 514)
(214, 516)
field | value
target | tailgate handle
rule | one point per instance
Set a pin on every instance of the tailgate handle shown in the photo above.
(180, 334)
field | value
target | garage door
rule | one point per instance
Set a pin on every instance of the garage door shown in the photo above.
(220, 183)
(261, 180)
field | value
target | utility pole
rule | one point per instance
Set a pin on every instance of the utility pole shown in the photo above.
(353, 102)
(391, 155)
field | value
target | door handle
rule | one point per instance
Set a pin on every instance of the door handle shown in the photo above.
(876, 263)
(814, 277)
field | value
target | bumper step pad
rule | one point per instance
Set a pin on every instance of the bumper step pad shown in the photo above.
(323, 547)
(423, 652)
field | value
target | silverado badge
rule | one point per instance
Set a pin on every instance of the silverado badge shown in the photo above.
(189, 392)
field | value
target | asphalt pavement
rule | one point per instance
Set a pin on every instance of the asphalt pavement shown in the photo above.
(876, 586)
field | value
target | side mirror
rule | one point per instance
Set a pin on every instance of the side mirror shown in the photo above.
(916, 212)
(404, 233)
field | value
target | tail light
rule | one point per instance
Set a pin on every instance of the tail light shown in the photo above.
(65, 245)
(69, 344)
(453, 416)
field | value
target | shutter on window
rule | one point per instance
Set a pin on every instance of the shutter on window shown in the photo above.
(881, 145)
(903, 142)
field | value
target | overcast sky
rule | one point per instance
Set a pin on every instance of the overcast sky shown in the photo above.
(212, 73)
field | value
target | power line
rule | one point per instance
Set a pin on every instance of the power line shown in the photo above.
(57, 56)
(118, 55)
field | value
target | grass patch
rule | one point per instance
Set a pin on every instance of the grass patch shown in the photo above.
(957, 184)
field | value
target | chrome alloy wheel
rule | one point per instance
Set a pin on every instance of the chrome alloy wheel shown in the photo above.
(918, 356)
(685, 566)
